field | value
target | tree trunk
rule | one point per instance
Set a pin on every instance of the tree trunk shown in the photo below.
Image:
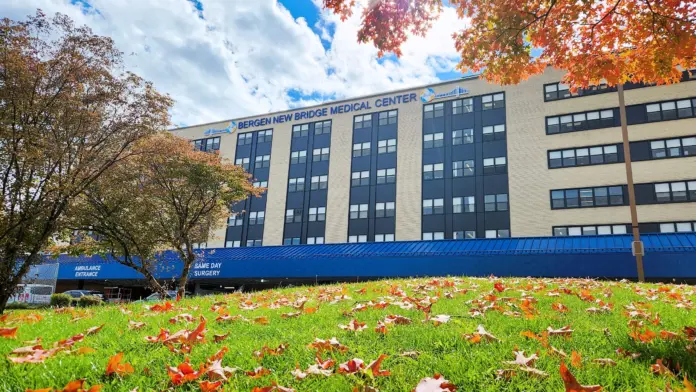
(4, 297)
(153, 283)
(188, 258)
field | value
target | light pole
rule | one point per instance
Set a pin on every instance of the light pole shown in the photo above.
(637, 245)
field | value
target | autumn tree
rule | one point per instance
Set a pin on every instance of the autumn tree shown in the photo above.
(165, 196)
(68, 113)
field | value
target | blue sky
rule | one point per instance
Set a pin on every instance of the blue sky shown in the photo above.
(224, 59)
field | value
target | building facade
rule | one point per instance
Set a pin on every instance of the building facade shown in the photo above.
(462, 159)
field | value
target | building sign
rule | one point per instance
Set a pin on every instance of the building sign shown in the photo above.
(205, 270)
(428, 95)
(87, 271)
(229, 130)
(326, 111)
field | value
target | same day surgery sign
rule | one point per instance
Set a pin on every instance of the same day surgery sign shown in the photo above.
(427, 95)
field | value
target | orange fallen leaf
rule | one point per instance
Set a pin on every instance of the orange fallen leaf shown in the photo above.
(210, 386)
(668, 335)
(659, 368)
(354, 325)
(436, 383)
(572, 385)
(258, 372)
(9, 333)
(374, 366)
(93, 330)
(263, 320)
(273, 388)
(576, 359)
(219, 338)
(559, 307)
(351, 366)
(114, 366)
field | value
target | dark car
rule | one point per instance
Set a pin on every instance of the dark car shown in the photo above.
(82, 293)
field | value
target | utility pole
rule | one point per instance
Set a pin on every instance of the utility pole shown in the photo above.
(637, 245)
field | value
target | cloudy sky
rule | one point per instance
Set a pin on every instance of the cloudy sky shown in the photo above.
(222, 59)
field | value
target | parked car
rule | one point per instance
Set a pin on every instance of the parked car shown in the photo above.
(171, 294)
(81, 293)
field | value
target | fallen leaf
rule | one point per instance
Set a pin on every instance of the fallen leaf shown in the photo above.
(133, 325)
(219, 338)
(410, 354)
(559, 307)
(351, 366)
(660, 368)
(605, 362)
(354, 325)
(572, 385)
(210, 386)
(114, 366)
(258, 372)
(440, 319)
(436, 383)
(374, 366)
(9, 333)
(563, 331)
(93, 330)
(521, 360)
(576, 359)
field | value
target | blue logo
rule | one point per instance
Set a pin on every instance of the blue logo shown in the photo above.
(427, 95)
(229, 130)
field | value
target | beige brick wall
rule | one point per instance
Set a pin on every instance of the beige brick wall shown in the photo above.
(530, 180)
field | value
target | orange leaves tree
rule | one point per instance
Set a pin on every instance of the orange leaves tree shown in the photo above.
(68, 112)
(165, 196)
(616, 40)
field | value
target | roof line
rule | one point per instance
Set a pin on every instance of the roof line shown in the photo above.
(463, 78)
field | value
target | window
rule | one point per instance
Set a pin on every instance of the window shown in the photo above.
(433, 110)
(384, 210)
(384, 237)
(387, 117)
(497, 202)
(235, 220)
(494, 132)
(319, 182)
(209, 144)
(433, 171)
(254, 243)
(587, 197)
(265, 136)
(438, 235)
(243, 162)
(464, 235)
(357, 238)
(233, 244)
(298, 157)
(291, 241)
(321, 127)
(463, 168)
(386, 176)
(670, 148)
(580, 121)
(504, 233)
(256, 217)
(360, 178)
(565, 231)
(677, 227)
(260, 184)
(664, 111)
(433, 206)
(361, 149)
(462, 136)
(317, 214)
(433, 140)
(315, 240)
(360, 122)
(675, 191)
(493, 101)
(320, 154)
(296, 185)
(293, 215)
(300, 130)
(494, 165)
(358, 211)
(386, 146)
(463, 204)
(262, 161)
(463, 106)
(244, 138)
(556, 91)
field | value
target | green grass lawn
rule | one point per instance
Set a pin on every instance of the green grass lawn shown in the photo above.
(471, 362)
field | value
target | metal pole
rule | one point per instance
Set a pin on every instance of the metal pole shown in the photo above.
(637, 245)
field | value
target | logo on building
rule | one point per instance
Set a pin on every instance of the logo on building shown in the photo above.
(428, 95)
(229, 130)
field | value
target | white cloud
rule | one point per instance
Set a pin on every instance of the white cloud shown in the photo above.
(245, 56)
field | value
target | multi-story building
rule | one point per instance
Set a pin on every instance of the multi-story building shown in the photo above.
(462, 159)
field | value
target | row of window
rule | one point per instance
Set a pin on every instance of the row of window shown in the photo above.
(382, 210)
(463, 136)
(670, 148)
(584, 156)
(670, 110)
(580, 121)
(316, 214)
(318, 155)
(677, 227)
(673, 192)
(465, 234)
(249, 243)
(587, 197)
(383, 147)
(362, 178)
(463, 204)
(488, 102)
(209, 144)
(310, 241)
(383, 118)
(259, 162)
(564, 231)
(320, 128)
(434, 171)
(247, 138)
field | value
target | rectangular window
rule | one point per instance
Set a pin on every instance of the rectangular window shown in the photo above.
(580, 121)
(360, 178)
(565, 231)
(358, 211)
(601, 196)
(503, 233)
(233, 244)
(385, 210)
(463, 106)
(298, 157)
(235, 220)
(254, 243)
(432, 140)
(364, 121)
(244, 138)
(361, 149)
(320, 154)
(493, 101)
(256, 217)
(684, 108)
(243, 162)
(497, 202)
(291, 241)
(583, 156)
(463, 204)
(315, 240)
(296, 184)
(433, 110)
(357, 238)
(384, 237)
(388, 117)
(496, 165)
(671, 110)
(464, 235)
(265, 136)
(386, 146)
(587, 197)
(320, 128)
(319, 182)
(262, 161)
(494, 132)
(433, 171)
(317, 214)
(430, 236)
(260, 184)
(386, 176)
(463, 168)
(300, 130)
(293, 215)
(462, 136)
(433, 206)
